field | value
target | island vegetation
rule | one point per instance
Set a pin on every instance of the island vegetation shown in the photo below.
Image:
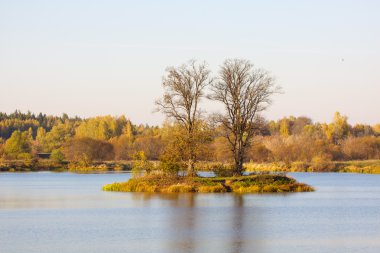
(259, 183)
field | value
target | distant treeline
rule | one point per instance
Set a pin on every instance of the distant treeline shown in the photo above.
(24, 135)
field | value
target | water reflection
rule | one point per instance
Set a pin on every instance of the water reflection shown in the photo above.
(237, 220)
(192, 226)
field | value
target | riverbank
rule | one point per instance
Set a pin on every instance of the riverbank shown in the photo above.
(245, 184)
(34, 165)
(365, 167)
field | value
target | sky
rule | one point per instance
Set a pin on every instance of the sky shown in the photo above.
(92, 57)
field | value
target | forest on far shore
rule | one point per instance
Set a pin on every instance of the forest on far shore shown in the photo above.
(106, 138)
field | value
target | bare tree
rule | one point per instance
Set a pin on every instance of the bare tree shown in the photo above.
(184, 87)
(245, 91)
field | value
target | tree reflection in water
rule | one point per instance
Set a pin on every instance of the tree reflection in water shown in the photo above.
(202, 222)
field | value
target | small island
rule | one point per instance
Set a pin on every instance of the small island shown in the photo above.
(244, 92)
(260, 183)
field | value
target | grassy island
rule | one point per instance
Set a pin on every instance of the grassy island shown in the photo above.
(260, 183)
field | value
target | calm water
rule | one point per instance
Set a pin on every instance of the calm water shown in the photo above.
(48, 212)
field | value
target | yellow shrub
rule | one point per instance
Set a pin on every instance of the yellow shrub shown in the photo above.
(269, 188)
(248, 189)
(178, 188)
(212, 188)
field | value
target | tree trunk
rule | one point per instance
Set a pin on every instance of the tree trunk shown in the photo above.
(192, 157)
(191, 168)
(238, 169)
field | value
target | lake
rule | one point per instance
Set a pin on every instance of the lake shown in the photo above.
(64, 212)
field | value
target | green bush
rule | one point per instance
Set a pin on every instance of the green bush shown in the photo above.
(57, 156)
(169, 168)
(116, 187)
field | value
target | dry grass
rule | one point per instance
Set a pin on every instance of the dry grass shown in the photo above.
(243, 184)
(365, 166)
(212, 188)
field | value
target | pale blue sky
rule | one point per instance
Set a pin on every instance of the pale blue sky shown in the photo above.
(91, 58)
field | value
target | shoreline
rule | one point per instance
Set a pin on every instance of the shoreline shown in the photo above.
(359, 167)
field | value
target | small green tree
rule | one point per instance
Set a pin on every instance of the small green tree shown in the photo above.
(341, 128)
(338, 130)
(41, 140)
(19, 143)
(141, 164)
